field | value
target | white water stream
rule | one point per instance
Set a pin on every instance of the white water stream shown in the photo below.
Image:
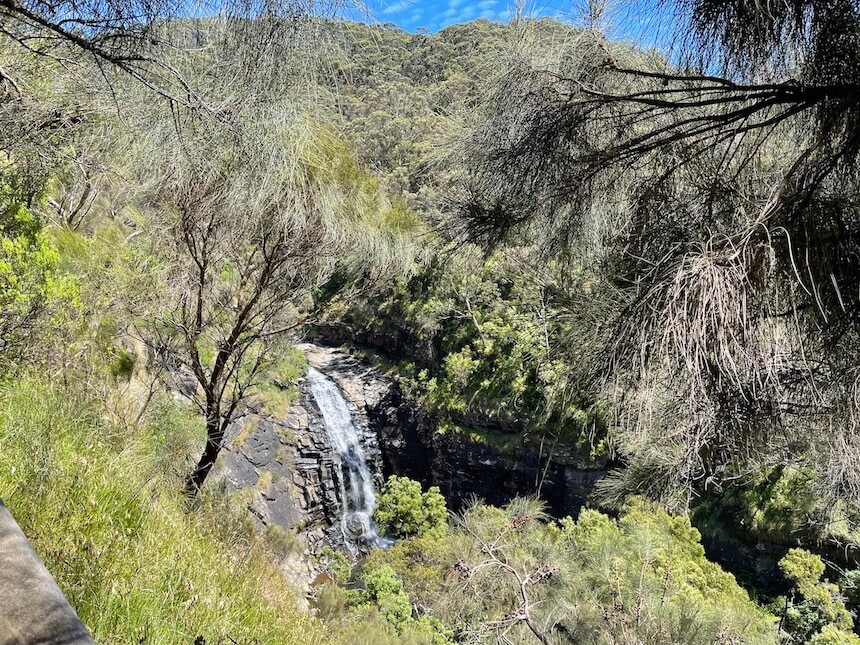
(357, 497)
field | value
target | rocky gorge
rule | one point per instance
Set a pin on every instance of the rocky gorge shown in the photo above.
(287, 469)
(289, 474)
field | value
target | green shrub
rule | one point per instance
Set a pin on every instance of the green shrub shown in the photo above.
(30, 284)
(384, 590)
(336, 564)
(818, 604)
(332, 601)
(850, 587)
(403, 510)
(122, 366)
(279, 392)
(832, 635)
(282, 544)
(777, 505)
(802, 567)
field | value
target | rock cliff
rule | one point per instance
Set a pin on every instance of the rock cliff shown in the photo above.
(285, 467)
(465, 465)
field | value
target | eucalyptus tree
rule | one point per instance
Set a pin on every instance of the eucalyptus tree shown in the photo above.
(707, 203)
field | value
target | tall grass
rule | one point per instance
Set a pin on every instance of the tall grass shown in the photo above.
(100, 505)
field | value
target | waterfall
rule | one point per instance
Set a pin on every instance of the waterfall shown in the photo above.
(357, 497)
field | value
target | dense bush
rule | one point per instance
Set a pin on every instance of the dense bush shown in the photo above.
(375, 609)
(93, 451)
(643, 578)
(30, 284)
(832, 635)
(777, 505)
(816, 610)
(403, 510)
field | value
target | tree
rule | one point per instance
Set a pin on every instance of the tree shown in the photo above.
(254, 228)
(705, 210)
(68, 68)
(131, 38)
(30, 284)
(403, 510)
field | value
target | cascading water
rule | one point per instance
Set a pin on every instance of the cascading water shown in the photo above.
(357, 497)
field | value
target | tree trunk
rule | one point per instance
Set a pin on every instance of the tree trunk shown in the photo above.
(214, 441)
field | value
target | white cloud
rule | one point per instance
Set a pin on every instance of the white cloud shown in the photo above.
(468, 13)
(460, 11)
(397, 7)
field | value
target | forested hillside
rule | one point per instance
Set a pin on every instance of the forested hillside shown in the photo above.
(539, 316)
(482, 330)
(538, 247)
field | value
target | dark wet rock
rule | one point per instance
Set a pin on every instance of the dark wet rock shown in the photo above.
(754, 563)
(285, 468)
(466, 467)
(392, 338)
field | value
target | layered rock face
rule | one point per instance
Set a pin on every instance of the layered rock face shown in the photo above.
(283, 468)
(410, 444)
(286, 467)
(465, 467)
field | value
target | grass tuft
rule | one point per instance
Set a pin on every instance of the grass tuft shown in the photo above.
(101, 506)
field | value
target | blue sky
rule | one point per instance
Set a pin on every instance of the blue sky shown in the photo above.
(625, 19)
(437, 14)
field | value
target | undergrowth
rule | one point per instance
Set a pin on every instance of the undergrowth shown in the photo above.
(100, 504)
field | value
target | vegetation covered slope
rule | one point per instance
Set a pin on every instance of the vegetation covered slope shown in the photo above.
(401, 98)
(476, 337)
(511, 573)
(102, 505)
(676, 274)
(168, 233)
